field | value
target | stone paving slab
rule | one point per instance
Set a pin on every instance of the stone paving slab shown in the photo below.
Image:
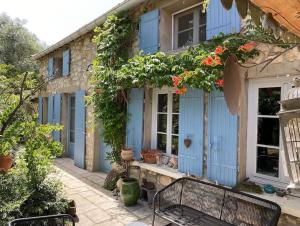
(95, 205)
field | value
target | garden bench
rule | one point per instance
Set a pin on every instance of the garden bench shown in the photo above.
(188, 201)
(51, 220)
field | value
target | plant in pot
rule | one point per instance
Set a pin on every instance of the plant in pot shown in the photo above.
(127, 154)
(6, 159)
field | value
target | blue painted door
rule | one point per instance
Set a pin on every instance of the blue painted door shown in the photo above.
(134, 127)
(79, 151)
(190, 160)
(104, 149)
(56, 115)
(222, 131)
(221, 20)
(71, 126)
(149, 32)
(40, 110)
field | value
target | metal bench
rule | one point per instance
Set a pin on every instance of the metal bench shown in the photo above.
(188, 202)
(51, 220)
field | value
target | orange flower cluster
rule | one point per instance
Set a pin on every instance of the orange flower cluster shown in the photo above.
(220, 83)
(182, 90)
(247, 47)
(212, 61)
(220, 50)
(176, 82)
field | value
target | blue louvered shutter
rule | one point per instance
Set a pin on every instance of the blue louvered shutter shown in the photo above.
(40, 110)
(134, 128)
(50, 67)
(79, 152)
(220, 20)
(149, 32)
(190, 160)
(222, 140)
(56, 115)
(66, 62)
(50, 109)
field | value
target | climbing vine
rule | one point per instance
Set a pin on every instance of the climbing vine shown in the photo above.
(115, 73)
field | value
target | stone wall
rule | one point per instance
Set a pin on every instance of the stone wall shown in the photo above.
(160, 181)
(82, 54)
(288, 220)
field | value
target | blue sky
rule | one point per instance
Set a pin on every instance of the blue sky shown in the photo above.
(52, 20)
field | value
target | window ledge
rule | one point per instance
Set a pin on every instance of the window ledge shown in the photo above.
(163, 170)
(289, 204)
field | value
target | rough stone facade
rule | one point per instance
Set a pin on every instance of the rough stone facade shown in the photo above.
(82, 53)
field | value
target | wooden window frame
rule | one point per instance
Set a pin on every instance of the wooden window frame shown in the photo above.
(195, 9)
(154, 132)
(251, 163)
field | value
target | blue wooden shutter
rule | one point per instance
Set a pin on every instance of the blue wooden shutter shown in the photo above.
(190, 160)
(149, 32)
(134, 128)
(40, 110)
(222, 138)
(79, 129)
(56, 115)
(50, 67)
(50, 109)
(221, 20)
(66, 62)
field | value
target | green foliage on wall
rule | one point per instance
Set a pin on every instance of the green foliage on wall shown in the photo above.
(114, 74)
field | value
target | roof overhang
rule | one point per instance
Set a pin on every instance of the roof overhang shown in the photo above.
(123, 6)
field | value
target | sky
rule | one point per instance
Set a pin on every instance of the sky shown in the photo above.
(52, 20)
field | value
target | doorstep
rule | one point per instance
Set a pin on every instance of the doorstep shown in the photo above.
(289, 204)
(163, 170)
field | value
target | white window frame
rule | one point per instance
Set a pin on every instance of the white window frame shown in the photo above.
(195, 28)
(254, 85)
(170, 92)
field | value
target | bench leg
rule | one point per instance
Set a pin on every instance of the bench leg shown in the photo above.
(153, 220)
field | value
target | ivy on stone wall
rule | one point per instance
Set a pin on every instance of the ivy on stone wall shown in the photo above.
(114, 73)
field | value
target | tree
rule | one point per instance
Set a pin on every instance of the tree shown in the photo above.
(17, 44)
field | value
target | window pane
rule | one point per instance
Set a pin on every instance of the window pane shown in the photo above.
(175, 124)
(185, 38)
(162, 102)
(162, 123)
(268, 131)
(162, 142)
(185, 22)
(267, 161)
(202, 33)
(175, 145)
(175, 103)
(268, 101)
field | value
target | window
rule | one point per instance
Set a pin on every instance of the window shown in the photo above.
(265, 158)
(267, 145)
(189, 27)
(165, 121)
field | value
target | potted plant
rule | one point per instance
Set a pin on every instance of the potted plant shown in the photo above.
(127, 154)
(6, 159)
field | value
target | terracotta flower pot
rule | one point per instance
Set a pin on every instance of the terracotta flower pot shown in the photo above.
(127, 154)
(149, 156)
(5, 163)
(72, 208)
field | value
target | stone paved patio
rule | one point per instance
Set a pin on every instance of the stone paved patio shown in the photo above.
(95, 205)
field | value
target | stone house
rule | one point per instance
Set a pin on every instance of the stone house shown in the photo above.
(225, 148)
